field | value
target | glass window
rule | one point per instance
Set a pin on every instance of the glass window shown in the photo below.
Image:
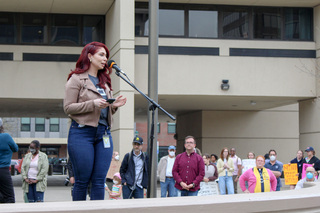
(171, 128)
(8, 30)
(171, 22)
(298, 23)
(34, 28)
(25, 124)
(235, 23)
(158, 128)
(163, 151)
(54, 124)
(40, 127)
(141, 22)
(65, 30)
(267, 23)
(203, 24)
(93, 29)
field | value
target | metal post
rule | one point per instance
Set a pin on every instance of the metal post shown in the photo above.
(153, 93)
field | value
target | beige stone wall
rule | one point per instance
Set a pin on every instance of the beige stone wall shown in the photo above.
(120, 41)
(309, 117)
(257, 131)
(248, 76)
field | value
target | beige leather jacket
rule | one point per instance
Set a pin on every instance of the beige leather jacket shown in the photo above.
(78, 100)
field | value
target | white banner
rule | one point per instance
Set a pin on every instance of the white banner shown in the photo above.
(248, 164)
(210, 188)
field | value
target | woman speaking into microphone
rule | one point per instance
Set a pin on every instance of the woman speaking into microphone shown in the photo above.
(89, 103)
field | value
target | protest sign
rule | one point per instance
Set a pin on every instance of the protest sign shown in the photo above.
(248, 164)
(290, 174)
(210, 188)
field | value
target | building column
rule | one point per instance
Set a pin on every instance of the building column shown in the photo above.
(120, 41)
(309, 110)
(189, 124)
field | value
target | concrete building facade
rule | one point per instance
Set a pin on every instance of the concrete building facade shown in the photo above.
(267, 50)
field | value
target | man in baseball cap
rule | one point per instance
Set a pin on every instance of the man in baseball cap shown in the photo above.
(134, 171)
(310, 159)
(165, 173)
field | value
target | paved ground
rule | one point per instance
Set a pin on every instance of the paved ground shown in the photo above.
(57, 191)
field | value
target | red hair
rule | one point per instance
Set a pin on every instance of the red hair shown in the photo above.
(83, 64)
(221, 154)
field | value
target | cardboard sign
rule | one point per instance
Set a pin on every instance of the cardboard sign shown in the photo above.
(304, 167)
(210, 188)
(114, 167)
(248, 164)
(290, 174)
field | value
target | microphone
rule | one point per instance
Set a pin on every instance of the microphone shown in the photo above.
(112, 64)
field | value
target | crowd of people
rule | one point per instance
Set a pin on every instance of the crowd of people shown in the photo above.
(179, 175)
(90, 104)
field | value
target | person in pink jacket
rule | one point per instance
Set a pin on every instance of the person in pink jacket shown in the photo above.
(259, 178)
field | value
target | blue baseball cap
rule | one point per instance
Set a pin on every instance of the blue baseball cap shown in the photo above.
(171, 147)
(309, 148)
(138, 140)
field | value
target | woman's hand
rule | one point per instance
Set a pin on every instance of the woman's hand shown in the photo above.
(33, 181)
(72, 181)
(100, 103)
(119, 102)
(206, 180)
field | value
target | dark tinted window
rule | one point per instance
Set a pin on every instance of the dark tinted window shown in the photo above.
(40, 125)
(25, 124)
(235, 23)
(298, 23)
(65, 30)
(267, 23)
(93, 29)
(141, 22)
(34, 28)
(8, 28)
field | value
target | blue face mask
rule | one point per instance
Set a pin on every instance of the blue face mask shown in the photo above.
(309, 175)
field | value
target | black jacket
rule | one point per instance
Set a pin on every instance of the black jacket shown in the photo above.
(127, 170)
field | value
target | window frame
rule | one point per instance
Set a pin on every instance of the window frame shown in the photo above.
(221, 9)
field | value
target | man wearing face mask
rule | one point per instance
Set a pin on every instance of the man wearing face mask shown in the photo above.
(114, 168)
(310, 177)
(165, 173)
(275, 167)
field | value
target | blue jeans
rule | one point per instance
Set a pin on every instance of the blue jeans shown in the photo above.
(188, 193)
(226, 181)
(33, 195)
(90, 160)
(127, 193)
(168, 186)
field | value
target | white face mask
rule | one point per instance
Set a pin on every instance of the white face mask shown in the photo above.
(117, 157)
(172, 153)
(272, 158)
(115, 181)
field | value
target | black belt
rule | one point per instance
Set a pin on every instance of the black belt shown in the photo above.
(169, 177)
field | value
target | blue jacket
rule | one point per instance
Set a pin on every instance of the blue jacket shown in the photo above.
(127, 170)
(7, 147)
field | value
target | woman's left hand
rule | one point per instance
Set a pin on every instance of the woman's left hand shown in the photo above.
(31, 181)
(120, 101)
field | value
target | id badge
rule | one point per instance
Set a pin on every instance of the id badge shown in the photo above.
(106, 141)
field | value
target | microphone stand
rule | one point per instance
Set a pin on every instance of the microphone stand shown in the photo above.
(152, 108)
